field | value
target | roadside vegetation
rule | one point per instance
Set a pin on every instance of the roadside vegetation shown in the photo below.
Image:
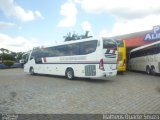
(9, 58)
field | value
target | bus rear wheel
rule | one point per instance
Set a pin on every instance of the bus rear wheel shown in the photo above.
(148, 71)
(70, 74)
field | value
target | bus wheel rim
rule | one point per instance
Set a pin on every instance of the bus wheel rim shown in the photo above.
(69, 74)
(32, 71)
(153, 71)
(148, 71)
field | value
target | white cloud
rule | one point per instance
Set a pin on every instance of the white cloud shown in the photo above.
(18, 43)
(103, 33)
(38, 14)
(12, 9)
(136, 25)
(130, 15)
(6, 24)
(22, 44)
(86, 26)
(125, 9)
(75, 1)
(69, 11)
(24, 15)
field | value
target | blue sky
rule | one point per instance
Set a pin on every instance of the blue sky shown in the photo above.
(25, 24)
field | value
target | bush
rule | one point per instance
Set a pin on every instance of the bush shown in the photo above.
(8, 63)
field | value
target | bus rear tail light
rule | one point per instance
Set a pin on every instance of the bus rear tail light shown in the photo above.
(101, 65)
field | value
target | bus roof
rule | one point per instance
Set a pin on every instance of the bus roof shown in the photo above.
(144, 46)
(74, 41)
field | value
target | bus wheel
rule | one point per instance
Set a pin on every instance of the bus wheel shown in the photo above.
(153, 70)
(148, 71)
(70, 74)
(31, 71)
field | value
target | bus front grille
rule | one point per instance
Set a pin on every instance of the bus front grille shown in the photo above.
(90, 70)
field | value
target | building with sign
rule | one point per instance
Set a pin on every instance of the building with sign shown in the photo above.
(137, 39)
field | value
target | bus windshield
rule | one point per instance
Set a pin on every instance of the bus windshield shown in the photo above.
(25, 57)
(120, 43)
(109, 44)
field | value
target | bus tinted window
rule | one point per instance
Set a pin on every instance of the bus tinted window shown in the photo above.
(109, 44)
(88, 47)
(37, 53)
(48, 52)
(155, 49)
(60, 50)
(25, 57)
(72, 49)
(81, 48)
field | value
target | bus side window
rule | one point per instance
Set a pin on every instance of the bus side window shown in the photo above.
(61, 50)
(72, 49)
(88, 47)
(89, 50)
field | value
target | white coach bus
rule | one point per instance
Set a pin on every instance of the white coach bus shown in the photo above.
(87, 58)
(146, 58)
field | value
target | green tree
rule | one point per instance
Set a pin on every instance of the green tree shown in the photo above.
(3, 51)
(8, 57)
(67, 37)
(75, 36)
(13, 54)
(19, 56)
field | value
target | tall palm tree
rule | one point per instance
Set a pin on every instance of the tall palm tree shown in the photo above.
(67, 37)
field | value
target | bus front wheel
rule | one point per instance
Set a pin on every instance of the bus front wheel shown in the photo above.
(31, 71)
(153, 70)
(70, 74)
